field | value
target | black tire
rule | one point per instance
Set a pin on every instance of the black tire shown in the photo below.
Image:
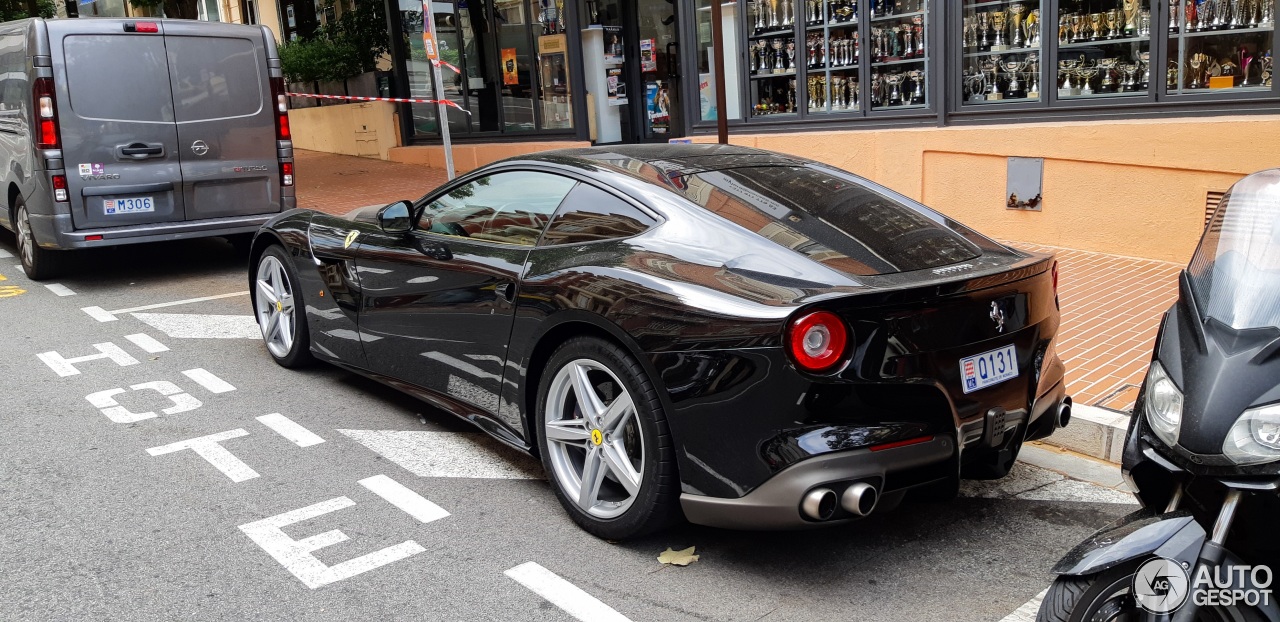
(39, 263)
(656, 505)
(299, 354)
(1103, 597)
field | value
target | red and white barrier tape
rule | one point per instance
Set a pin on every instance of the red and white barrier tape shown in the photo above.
(399, 100)
(440, 62)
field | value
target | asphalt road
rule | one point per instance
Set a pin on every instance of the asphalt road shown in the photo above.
(103, 517)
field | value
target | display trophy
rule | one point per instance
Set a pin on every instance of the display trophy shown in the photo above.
(1031, 28)
(1033, 76)
(1013, 68)
(908, 45)
(791, 96)
(1067, 69)
(1196, 64)
(773, 15)
(1144, 23)
(1130, 8)
(838, 101)
(1113, 20)
(1268, 11)
(1144, 59)
(1086, 75)
(917, 27)
(1171, 75)
(998, 23)
(1097, 21)
(895, 92)
(776, 44)
(976, 82)
(1266, 72)
(1107, 68)
(1129, 83)
(789, 13)
(917, 79)
(791, 55)
(992, 64)
(969, 31)
(1173, 16)
(984, 20)
(1016, 11)
(877, 88)
(1079, 28)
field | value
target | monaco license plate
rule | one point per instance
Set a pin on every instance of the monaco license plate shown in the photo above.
(988, 368)
(131, 205)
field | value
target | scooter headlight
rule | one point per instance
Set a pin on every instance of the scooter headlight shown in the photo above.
(1255, 438)
(1163, 404)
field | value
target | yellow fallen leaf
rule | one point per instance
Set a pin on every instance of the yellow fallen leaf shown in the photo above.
(678, 558)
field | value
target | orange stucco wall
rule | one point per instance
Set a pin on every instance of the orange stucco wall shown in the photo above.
(1133, 188)
(469, 156)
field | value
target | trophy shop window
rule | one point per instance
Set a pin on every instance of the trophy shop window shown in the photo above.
(1000, 51)
(1104, 48)
(833, 53)
(899, 51)
(503, 61)
(1220, 45)
(773, 55)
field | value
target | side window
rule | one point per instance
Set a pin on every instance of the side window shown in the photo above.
(591, 214)
(512, 207)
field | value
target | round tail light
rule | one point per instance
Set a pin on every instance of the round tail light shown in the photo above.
(818, 341)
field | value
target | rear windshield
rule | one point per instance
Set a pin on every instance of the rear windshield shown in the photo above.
(118, 78)
(214, 77)
(830, 218)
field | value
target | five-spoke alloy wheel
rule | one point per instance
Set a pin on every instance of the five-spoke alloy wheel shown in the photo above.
(604, 440)
(277, 307)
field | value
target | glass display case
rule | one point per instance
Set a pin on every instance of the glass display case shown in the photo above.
(832, 52)
(772, 57)
(1220, 45)
(1104, 48)
(1000, 42)
(898, 45)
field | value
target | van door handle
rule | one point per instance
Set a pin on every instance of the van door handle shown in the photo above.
(141, 151)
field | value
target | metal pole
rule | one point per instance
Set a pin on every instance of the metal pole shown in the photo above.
(437, 83)
(717, 43)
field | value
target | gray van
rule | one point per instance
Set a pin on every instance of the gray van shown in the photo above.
(117, 131)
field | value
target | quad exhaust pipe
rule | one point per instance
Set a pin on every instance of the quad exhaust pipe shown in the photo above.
(1064, 413)
(858, 499)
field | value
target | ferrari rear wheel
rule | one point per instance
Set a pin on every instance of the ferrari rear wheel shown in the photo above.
(277, 305)
(604, 441)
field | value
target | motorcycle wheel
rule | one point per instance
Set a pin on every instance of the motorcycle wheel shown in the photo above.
(1107, 597)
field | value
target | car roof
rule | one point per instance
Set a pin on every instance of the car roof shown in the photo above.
(663, 162)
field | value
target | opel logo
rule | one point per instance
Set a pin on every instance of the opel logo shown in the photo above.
(199, 147)
(997, 316)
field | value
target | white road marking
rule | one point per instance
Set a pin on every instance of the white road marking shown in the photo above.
(287, 428)
(196, 326)
(408, 501)
(296, 557)
(1027, 612)
(100, 314)
(67, 366)
(563, 594)
(147, 343)
(448, 454)
(106, 402)
(59, 289)
(4, 254)
(208, 447)
(209, 381)
(179, 302)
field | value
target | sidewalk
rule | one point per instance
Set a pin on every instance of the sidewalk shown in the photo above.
(1111, 305)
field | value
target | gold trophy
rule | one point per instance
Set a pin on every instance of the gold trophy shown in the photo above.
(1130, 17)
(998, 23)
(1031, 27)
(1016, 11)
(1079, 28)
(1112, 19)
(1095, 26)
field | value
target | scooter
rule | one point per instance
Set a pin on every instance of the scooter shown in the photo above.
(1203, 448)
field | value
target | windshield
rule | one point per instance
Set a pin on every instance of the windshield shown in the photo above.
(1235, 273)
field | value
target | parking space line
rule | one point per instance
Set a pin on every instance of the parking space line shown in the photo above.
(1027, 612)
(179, 302)
(5, 254)
(59, 289)
(147, 343)
(408, 501)
(287, 428)
(209, 381)
(563, 594)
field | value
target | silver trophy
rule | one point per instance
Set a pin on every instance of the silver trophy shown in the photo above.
(1144, 59)
(917, 79)
(778, 63)
(894, 81)
(992, 66)
(917, 26)
(1086, 75)
(1033, 75)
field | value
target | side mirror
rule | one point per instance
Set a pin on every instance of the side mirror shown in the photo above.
(397, 217)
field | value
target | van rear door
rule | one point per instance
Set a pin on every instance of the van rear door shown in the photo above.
(116, 118)
(226, 124)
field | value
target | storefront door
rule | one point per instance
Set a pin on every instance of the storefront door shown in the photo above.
(643, 37)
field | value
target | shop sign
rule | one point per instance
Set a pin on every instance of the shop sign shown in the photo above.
(510, 73)
(617, 88)
(648, 60)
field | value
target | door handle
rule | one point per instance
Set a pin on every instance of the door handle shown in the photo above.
(141, 151)
(507, 291)
(673, 61)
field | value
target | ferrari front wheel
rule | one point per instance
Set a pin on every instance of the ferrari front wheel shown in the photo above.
(277, 305)
(604, 441)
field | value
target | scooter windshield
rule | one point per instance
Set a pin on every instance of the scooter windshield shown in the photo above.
(1235, 273)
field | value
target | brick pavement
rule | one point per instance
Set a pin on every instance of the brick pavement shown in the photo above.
(1111, 305)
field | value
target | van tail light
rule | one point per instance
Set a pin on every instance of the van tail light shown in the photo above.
(60, 188)
(286, 173)
(282, 109)
(142, 27)
(46, 114)
(818, 341)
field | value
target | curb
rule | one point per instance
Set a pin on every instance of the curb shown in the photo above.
(1095, 432)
